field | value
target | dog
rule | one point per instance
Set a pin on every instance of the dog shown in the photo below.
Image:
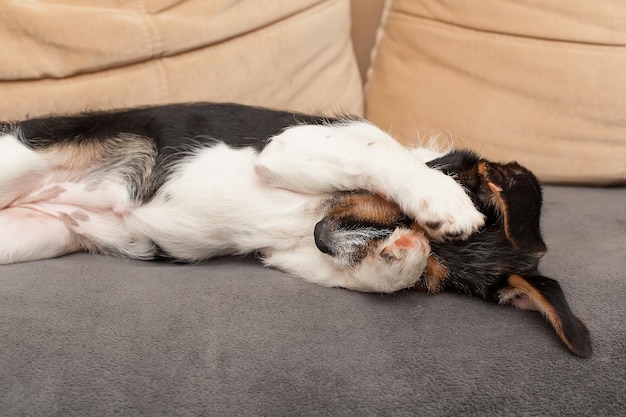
(194, 181)
(189, 182)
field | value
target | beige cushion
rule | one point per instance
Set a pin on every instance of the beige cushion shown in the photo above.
(366, 18)
(538, 82)
(65, 55)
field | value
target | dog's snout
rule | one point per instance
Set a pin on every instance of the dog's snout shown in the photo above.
(323, 236)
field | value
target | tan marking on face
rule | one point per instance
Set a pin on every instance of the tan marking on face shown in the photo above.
(366, 207)
(501, 203)
(434, 274)
(482, 169)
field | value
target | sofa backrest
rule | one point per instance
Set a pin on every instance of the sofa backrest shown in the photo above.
(537, 82)
(62, 56)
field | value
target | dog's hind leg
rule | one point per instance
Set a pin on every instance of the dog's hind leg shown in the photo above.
(18, 166)
(28, 235)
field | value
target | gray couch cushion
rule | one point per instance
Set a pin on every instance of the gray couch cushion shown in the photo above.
(94, 336)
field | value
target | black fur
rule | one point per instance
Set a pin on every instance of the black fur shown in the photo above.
(478, 266)
(170, 126)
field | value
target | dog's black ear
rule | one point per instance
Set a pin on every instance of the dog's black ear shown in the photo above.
(544, 295)
(517, 196)
(456, 162)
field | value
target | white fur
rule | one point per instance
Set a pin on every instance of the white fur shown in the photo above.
(17, 165)
(221, 200)
(29, 235)
(373, 274)
(50, 212)
(358, 155)
(214, 204)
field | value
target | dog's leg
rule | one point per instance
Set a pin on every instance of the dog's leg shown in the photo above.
(17, 165)
(306, 262)
(29, 235)
(393, 264)
(357, 155)
(316, 267)
(26, 234)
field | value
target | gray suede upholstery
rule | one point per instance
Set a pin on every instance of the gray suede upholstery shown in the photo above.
(94, 336)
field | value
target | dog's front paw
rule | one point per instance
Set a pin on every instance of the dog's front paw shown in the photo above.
(444, 209)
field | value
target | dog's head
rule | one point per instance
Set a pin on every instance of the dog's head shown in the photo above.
(508, 191)
(510, 197)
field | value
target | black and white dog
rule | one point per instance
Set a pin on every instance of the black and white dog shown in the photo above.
(190, 182)
(335, 201)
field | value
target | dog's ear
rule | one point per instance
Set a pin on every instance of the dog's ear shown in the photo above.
(544, 295)
(516, 193)
(460, 164)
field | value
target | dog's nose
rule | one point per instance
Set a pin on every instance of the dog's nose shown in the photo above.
(323, 236)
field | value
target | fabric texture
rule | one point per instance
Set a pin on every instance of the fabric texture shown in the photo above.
(69, 56)
(95, 336)
(538, 83)
(366, 16)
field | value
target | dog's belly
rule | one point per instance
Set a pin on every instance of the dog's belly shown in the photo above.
(92, 209)
(214, 204)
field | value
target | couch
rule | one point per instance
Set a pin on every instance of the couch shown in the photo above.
(87, 335)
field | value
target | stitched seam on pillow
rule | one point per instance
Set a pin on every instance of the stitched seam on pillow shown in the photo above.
(156, 51)
(442, 25)
(380, 34)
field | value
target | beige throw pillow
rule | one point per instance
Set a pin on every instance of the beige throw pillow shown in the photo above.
(63, 56)
(537, 82)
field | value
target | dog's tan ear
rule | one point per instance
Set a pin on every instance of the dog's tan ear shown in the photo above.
(516, 193)
(544, 295)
